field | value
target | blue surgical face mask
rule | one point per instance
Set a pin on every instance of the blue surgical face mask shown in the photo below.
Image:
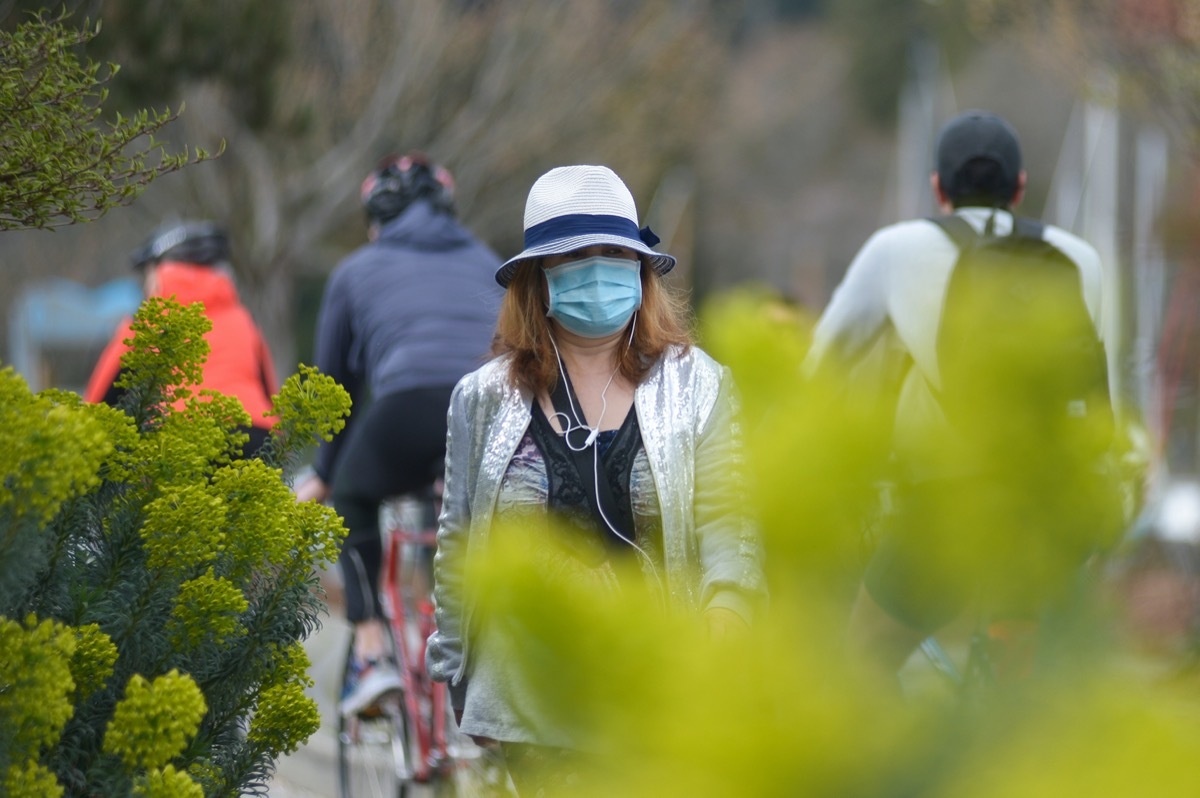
(594, 297)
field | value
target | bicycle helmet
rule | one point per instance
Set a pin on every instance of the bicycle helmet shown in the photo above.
(202, 243)
(399, 180)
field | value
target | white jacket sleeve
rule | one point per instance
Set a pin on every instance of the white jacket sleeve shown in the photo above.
(729, 545)
(445, 652)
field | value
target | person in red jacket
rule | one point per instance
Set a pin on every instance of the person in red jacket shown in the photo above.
(190, 262)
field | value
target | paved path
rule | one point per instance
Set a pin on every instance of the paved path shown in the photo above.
(311, 772)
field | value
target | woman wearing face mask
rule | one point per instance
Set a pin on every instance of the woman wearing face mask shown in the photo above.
(600, 411)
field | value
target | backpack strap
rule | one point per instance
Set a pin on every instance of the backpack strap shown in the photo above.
(1024, 227)
(958, 229)
(962, 233)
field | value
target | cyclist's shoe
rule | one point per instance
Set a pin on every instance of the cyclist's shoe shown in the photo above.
(366, 683)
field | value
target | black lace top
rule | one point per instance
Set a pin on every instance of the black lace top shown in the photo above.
(567, 490)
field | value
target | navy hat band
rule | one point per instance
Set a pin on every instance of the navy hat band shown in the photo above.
(579, 224)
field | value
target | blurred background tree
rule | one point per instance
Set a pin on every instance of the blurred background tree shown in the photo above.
(1152, 43)
(309, 96)
(763, 139)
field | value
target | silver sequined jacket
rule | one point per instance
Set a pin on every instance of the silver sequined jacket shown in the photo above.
(686, 410)
(687, 414)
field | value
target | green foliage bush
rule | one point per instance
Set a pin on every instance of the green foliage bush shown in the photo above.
(58, 164)
(154, 587)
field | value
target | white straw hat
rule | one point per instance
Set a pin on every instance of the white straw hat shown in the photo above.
(573, 207)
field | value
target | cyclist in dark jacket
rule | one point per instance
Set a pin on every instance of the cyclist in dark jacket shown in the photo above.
(402, 319)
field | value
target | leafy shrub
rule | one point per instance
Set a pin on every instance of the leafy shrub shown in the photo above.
(659, 709)
(62, 163)
(155, 587)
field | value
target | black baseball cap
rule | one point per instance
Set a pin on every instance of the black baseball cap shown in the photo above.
(977, 135)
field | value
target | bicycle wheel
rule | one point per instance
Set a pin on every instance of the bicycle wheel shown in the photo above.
(373, 758)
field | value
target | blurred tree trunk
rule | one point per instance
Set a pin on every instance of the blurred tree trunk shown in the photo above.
(1179, 349)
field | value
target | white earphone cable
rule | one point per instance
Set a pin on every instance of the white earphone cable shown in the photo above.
(591, 439)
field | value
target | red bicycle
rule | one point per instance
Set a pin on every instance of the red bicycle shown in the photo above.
(410, 738)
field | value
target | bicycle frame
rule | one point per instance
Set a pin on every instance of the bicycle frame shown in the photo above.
(411, 617)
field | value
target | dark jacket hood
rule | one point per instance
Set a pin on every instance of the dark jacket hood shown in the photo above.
(422, 227)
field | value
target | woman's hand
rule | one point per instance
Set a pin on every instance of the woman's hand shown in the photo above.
(312, 489)
(482, 742)
(725, 624)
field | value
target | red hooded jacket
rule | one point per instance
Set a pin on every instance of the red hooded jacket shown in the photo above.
(239, 363)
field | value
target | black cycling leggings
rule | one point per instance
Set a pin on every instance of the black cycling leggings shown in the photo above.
(396, 447)
(258, 437)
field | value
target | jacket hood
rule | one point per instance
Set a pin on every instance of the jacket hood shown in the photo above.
(421, 226)
(189, 282)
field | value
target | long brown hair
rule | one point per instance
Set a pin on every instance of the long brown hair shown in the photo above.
(523, 329)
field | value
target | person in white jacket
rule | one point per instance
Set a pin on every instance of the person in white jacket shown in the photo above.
(884, 318)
